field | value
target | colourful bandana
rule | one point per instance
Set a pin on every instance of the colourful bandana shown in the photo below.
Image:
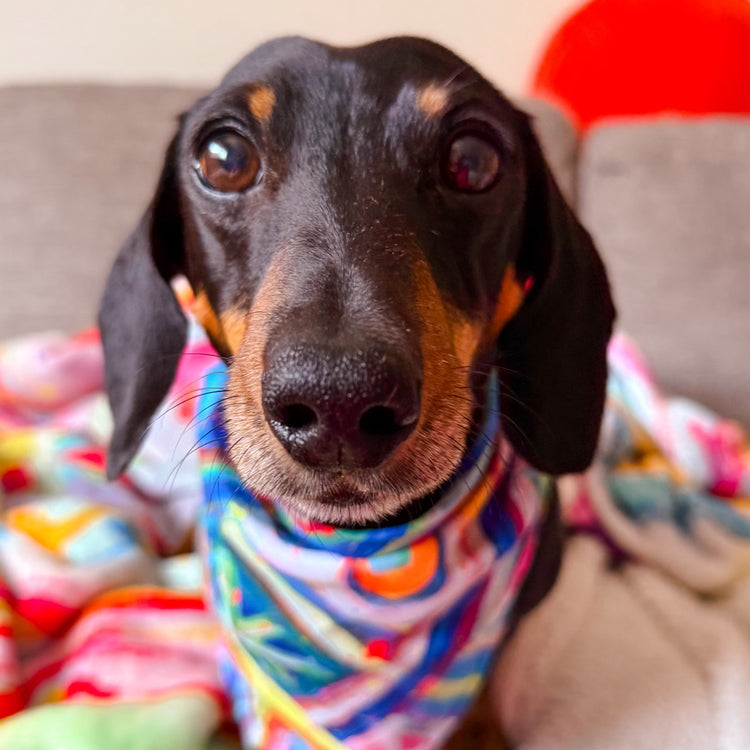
(367, 639)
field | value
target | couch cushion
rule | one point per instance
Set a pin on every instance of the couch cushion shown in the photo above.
(668, 202)
(78, 167)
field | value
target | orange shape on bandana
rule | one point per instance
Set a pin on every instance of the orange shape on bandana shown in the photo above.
(418, 569)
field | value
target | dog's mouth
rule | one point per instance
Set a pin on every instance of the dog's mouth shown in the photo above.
(349, 503)
(360, 509)
(399, 489)
(364, 499)
(344, 500)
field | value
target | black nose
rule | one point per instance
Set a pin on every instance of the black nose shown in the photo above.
(333, 408)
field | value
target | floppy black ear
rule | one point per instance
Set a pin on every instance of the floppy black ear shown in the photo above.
(143, 328)
(552, 353)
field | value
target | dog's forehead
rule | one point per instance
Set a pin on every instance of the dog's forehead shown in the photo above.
(387, 60)
(326, 82)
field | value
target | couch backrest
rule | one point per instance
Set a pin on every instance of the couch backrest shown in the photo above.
(668, 203)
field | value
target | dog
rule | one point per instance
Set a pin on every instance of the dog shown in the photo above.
(368, 232)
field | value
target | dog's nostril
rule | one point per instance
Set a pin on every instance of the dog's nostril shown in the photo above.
(379, 420)
(297, 416)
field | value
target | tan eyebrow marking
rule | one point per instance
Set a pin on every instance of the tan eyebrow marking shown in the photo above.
(433, 98)
(261, 101)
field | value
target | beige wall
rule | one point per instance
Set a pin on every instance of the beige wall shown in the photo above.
(196, 40)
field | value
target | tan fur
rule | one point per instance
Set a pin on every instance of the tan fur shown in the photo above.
(258, 456)
(433, 99)
(234, 324)
(467, 336)
(207, 317)
(447, 350)
(509, 301)
(260, 101)
(227, 329)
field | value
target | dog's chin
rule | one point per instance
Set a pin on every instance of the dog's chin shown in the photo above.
(343, 503)
(345, 506)
(384, 496)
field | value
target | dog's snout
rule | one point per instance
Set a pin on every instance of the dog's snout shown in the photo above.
(340, 409)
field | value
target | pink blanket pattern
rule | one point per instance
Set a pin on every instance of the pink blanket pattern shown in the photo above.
(95, 603)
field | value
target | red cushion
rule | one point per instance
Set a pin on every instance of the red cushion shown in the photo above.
(637, 57)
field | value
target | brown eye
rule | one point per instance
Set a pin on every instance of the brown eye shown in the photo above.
(228, 162)
(472, 164)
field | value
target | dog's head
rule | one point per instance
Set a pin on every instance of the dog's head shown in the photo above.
(367, 231)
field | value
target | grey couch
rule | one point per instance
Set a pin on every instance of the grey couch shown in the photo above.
(667, 200)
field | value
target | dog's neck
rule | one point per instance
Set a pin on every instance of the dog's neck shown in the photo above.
(354, 637)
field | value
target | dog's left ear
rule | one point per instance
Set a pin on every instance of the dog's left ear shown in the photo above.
(552, 353)
(142, 325)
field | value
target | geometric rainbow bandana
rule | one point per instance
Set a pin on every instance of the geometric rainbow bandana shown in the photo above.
(373, 639)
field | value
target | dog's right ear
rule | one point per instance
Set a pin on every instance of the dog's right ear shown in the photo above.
(142, 326)
(553, 351)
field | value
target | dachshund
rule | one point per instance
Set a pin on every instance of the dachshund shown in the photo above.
(368, 232)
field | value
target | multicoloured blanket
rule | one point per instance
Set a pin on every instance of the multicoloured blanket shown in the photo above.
(105, 640)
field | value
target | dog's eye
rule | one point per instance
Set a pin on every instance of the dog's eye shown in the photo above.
(471, 164)
(228, 162)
